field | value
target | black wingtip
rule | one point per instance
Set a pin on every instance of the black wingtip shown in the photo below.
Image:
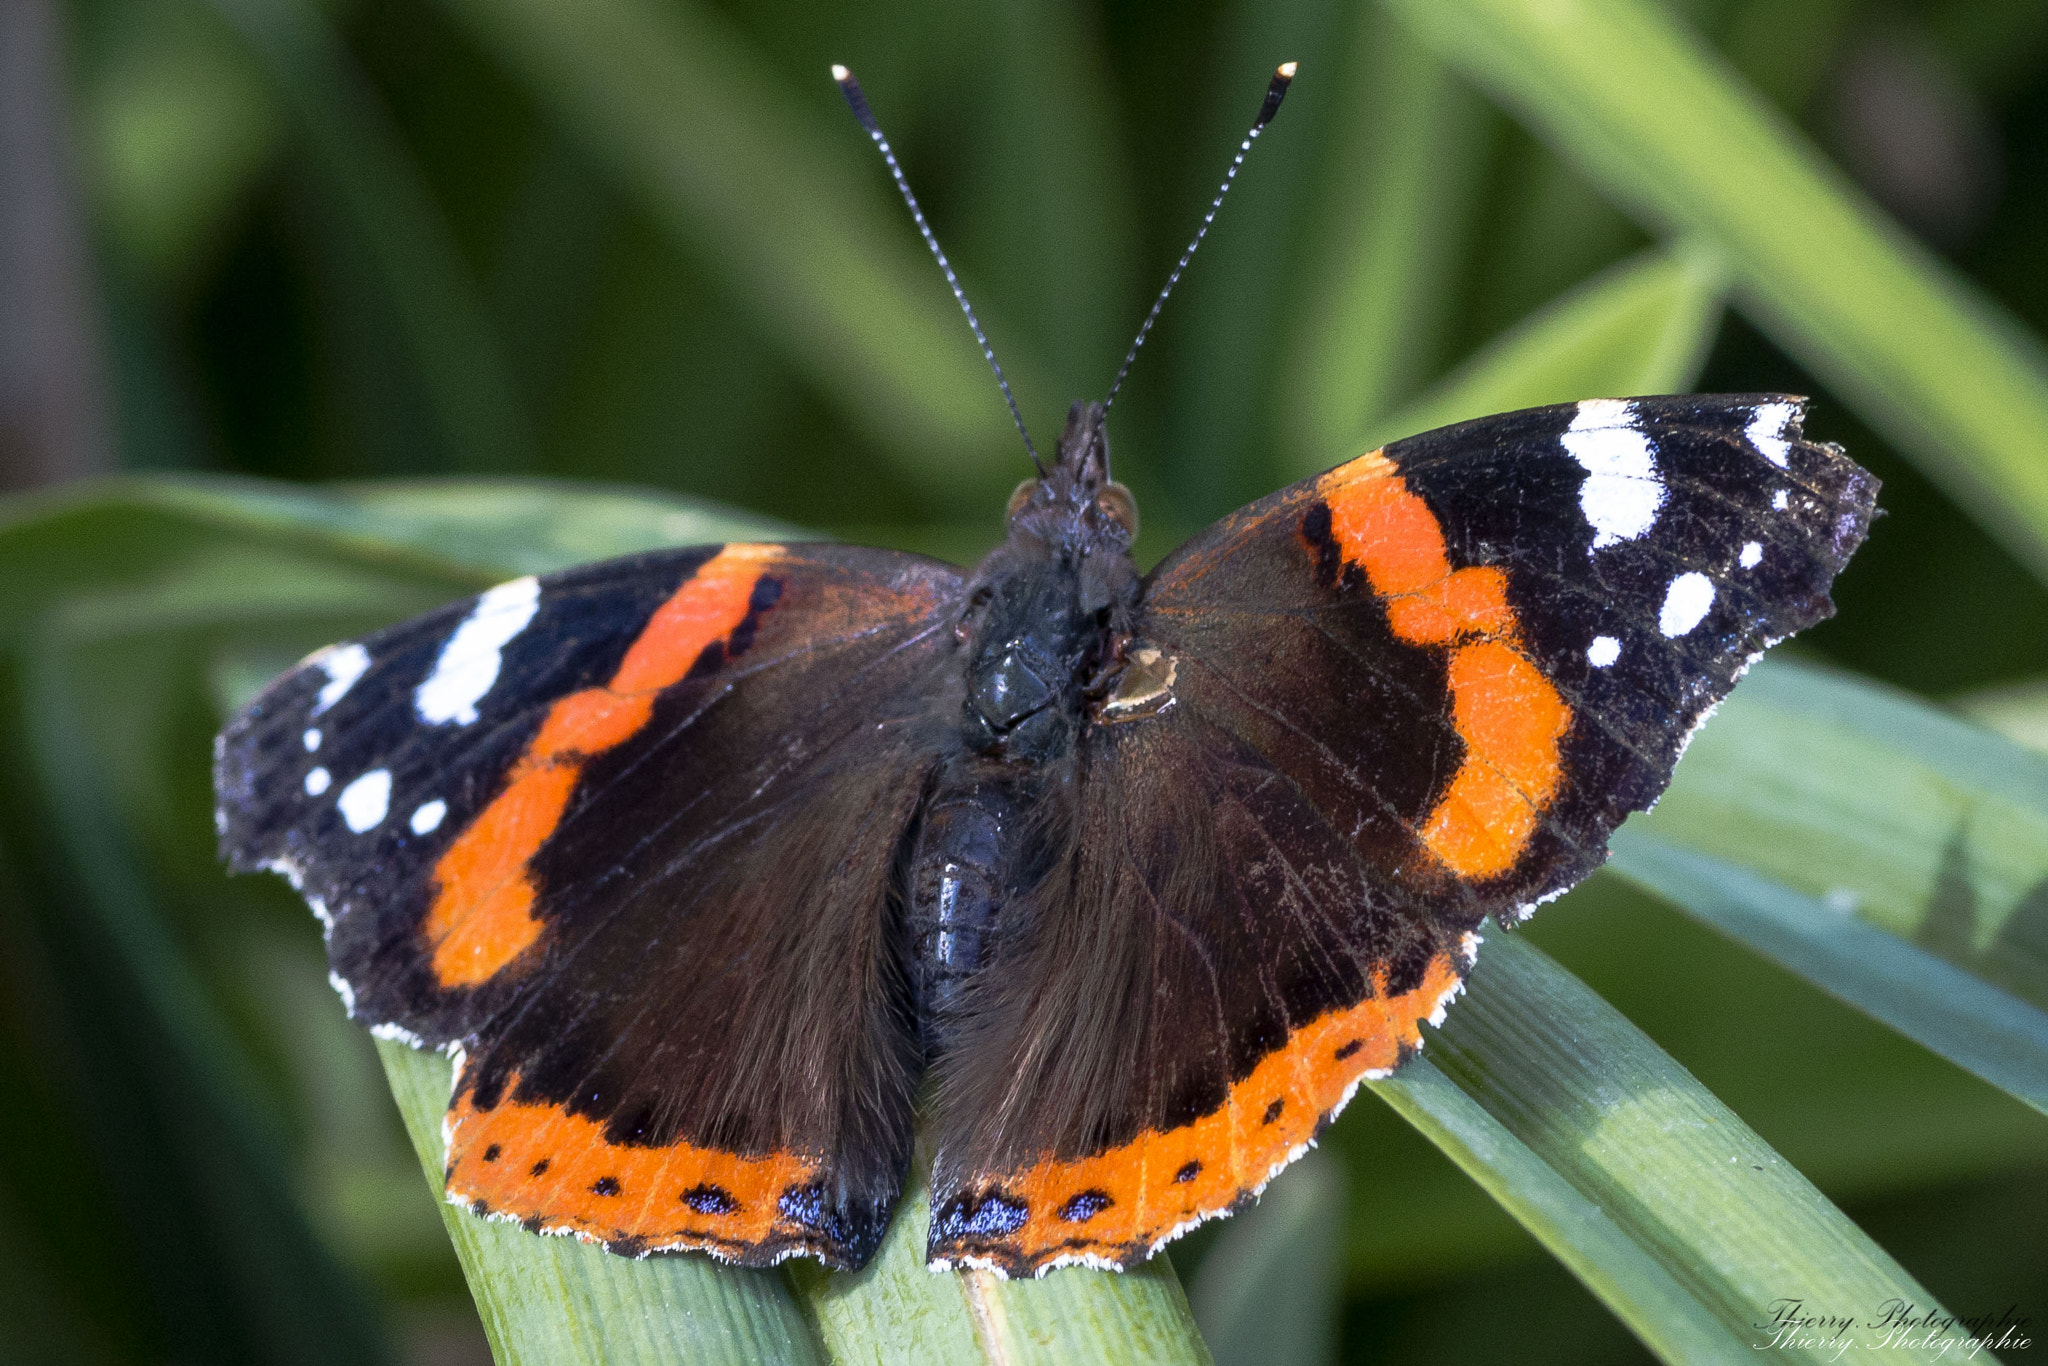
(1276, 91)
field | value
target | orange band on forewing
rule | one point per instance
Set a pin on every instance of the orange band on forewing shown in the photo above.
(705, 609)
(1468, 602)
(541, 1163)
(482, 917)
(1165, 1180)
(1512, 721)
(1511, 718)
(589, 722)
(1383, 528)
(1510, 714)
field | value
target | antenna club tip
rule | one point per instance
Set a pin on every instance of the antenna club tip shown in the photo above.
(1285, 71)
(841, 75)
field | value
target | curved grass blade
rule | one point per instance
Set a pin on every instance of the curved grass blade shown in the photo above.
(1643, 327)
(1889, 853)
(1974, 1025)
(1408, 162)
(384, 205)
(1270, 1291)
(1053, 174)
(1878, 807)
(1650, 115)
(465, 531)
(1231, 323)
(794, 218)
(2018, 712)
(1671, 1210)
(1574, 1226)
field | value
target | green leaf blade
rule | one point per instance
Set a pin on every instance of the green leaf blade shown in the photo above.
(1668, 1175)
(1959, 1016)
(1664, 127)
(1643, 327)
(1918, 823)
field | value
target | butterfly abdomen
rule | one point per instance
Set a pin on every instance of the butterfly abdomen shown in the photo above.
(963, 868)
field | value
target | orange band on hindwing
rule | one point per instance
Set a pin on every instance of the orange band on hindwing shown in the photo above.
(1119, 1205)
(541, 1163)
(482, 915)
(1511, 718)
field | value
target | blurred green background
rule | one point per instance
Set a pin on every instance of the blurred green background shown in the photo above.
(643, 241)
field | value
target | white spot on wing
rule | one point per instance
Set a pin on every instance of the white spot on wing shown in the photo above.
(1622, 492)
(1752, 555)
(343, 665)
(1603, 651)
(317, 781)
(1779, 501)
(311, 739)
(364, 801)
(1767, 430)
(427, 818)
(1685, 603)
(469, 662)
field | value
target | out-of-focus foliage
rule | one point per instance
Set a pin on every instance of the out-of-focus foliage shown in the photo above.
(642, 241)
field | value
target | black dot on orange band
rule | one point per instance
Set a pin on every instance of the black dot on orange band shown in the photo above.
(479, 1207)
(709, 1199)
(605, 1185)
(491, 1153)
(1085, 1206)
(1187, 1173)
(1348, 1049)
(1273, 1110)
(539, 1168)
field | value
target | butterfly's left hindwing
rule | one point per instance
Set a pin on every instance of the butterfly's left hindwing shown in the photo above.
(625, 836)
(1357, 718)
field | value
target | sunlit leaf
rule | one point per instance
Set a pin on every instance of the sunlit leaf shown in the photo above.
(1975, 1025)
(1641, 328)
(1879, 807)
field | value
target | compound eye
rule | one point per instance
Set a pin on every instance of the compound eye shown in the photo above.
(1019, 496)
(1115, 502)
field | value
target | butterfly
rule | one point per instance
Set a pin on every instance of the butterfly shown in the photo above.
(708, 864)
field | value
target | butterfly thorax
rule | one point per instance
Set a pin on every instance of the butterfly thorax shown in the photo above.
(1046, 617)
(1047, 608)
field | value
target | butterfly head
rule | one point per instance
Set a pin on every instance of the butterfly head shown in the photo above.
(1076, 502)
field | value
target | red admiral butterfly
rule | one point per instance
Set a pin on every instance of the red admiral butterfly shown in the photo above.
(701, 861)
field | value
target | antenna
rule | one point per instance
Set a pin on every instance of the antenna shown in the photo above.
(1276, 91)
(858, 101)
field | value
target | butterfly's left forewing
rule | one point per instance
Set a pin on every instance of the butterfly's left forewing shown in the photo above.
(625, 839)
(1373, 709)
